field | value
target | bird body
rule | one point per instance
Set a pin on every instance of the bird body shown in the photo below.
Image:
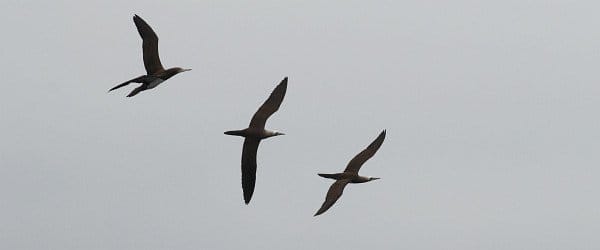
(350, 174)
(254, 134)
(352, 178)
(155, 73)
(155, 83)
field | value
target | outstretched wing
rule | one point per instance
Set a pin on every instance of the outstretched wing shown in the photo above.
(334, 193)
(249, 167)
(358, 160)
(270, 106)
(149, 46)
(137, 90)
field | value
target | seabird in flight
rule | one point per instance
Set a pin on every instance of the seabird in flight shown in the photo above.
(350, 174)
(155, 73)
(254, 134)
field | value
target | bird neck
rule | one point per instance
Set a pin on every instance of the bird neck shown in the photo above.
(361, 179)
(268, 133)
(168, 73)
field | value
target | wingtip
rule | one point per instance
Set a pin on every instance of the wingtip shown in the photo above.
(383, 134)
(137, 18)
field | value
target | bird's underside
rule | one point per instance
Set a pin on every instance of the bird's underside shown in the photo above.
(147, 82)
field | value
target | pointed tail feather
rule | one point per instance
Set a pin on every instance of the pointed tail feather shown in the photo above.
(331, 176)
(137, 79)
(235, 132)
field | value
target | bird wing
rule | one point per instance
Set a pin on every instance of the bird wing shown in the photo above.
(334, 193)
(137, 90)
(149, 46)
(270, 106)
(249, 167)
(358, 160)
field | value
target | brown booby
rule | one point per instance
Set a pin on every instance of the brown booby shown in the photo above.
(155, 73)
(254, 134)
(350, 174)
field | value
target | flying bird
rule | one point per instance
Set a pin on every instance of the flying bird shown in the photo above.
(350, 174)
(155, 73)
(254, 134)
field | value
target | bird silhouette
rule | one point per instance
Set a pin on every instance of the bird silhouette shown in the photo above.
(155, 73)
(254, 134)
(350, 174)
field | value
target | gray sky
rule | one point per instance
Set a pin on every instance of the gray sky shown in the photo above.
(491, 112)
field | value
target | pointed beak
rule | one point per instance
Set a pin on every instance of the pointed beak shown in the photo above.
(376, 178)
(184, 70)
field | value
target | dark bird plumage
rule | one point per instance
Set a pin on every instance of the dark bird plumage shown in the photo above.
(155, 73)
(350, 174)
(254, 134)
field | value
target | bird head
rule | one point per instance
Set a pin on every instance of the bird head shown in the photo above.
(179, 70)
(173, 71)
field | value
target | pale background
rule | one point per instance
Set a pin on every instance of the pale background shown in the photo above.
(491, 111)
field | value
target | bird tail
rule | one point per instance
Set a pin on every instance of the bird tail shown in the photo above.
(331, 176)
(235, 132)
(137, 79)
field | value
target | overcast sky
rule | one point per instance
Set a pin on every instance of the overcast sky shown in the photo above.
(491, 111)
